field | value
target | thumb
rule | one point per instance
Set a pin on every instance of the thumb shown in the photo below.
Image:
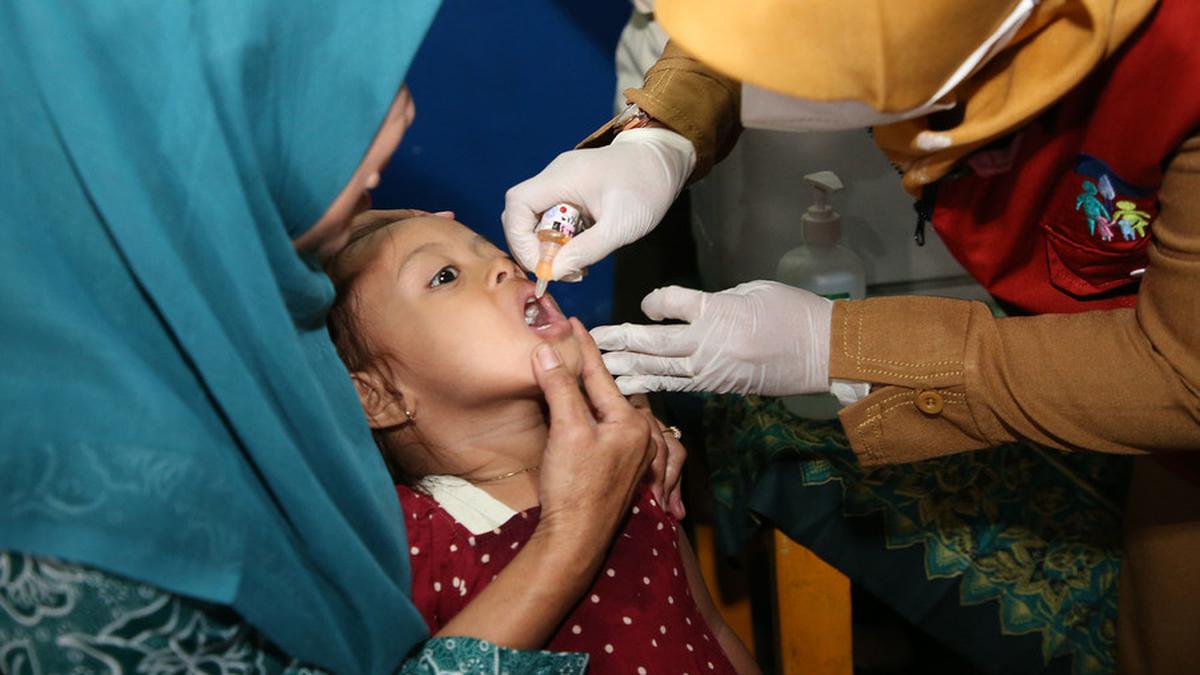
(519, 222)
(623, 218)
(674, 302)
(584, 250)
(523, 205)
(561, 389)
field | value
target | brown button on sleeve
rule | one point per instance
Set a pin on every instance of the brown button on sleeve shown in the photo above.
(918, 405)
(930, 402)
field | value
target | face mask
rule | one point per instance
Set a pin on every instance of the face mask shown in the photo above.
(763, 109)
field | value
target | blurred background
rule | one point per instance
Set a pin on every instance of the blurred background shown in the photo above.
(501, 88)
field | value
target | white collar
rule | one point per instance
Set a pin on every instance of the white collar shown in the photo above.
(471, 506)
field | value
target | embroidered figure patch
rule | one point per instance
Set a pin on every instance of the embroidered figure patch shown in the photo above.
(1107, 216)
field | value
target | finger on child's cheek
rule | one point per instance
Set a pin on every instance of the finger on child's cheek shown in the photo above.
(581, 333)
(658, 467)
(567, 406)
(599, 384)
(677, 509)
(675, 466)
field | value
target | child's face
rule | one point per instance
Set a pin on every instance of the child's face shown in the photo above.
(447, 309)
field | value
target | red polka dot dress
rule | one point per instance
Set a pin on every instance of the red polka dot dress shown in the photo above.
(639, 616)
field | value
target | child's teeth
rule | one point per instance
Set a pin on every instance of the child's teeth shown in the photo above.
(531, 312)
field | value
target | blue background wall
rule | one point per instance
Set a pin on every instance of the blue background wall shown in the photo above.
(500, 89)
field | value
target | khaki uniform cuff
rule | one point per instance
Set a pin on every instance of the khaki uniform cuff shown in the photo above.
(692, 101)
(915, 352)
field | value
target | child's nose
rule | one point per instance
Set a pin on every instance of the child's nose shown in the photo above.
(503, 270)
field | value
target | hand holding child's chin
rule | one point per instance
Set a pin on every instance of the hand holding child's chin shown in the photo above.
(598, 447)
(569, 353)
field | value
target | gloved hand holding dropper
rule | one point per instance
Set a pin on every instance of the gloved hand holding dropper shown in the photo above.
(624, 188)
(761, 337)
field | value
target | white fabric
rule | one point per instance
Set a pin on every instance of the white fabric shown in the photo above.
(848, 392)
(473, 508)
(763, 109)
(625, 187)
(761, 337)
(641, 44)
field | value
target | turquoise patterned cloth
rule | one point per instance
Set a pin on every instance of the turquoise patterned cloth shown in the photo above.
(171, 406)
(58, 617)
(456, 655)
(1009, 555)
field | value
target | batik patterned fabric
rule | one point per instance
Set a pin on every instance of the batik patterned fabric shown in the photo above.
(58, 617)
(1009, 555)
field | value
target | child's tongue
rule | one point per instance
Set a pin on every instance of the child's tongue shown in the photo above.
(536, 316)
(533, 313)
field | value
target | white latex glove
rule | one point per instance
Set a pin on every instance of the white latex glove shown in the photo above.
(625, 187)
(760, 337)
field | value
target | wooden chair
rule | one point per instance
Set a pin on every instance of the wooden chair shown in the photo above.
(810, 607)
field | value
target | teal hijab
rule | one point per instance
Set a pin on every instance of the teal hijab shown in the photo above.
(171, 408)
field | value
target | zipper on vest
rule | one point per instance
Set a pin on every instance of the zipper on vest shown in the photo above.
(924, 208)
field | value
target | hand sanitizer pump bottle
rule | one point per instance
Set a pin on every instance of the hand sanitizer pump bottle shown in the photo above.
(822, 264)
(825, 266)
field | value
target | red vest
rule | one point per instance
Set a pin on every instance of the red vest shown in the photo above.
(1065, 229)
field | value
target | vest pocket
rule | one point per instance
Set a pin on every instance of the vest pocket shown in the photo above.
(1096, 235)
(1087, 270)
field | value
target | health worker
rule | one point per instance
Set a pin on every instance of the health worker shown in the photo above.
(1055, 148)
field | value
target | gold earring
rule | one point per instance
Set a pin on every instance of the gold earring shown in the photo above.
(409, 414)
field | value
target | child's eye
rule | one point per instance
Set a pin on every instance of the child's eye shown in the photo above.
(443, 276)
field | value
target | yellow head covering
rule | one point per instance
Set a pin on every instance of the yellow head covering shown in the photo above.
(894, 55)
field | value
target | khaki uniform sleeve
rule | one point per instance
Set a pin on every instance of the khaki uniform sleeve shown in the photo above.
(954, 378)
(690, 99)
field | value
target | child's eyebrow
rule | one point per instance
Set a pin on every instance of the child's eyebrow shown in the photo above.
(423, 248)
(479, 242)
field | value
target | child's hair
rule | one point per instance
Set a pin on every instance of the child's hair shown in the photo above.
(351, 342)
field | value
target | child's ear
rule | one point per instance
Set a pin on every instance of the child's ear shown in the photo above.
(384, 408)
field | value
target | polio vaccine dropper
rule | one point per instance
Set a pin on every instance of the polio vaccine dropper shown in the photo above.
(556, 227)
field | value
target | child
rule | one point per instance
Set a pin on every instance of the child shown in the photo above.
(432, 323)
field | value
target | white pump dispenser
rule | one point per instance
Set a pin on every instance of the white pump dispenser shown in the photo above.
(822, 265)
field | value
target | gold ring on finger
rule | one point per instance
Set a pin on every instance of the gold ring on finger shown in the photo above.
(674, 431)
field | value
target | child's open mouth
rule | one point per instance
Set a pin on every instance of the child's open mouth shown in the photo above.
(544, 317)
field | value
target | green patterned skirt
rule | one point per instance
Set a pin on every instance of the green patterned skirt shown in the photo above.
(1009, 555)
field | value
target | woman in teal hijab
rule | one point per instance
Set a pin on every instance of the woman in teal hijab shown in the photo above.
(175, 421)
